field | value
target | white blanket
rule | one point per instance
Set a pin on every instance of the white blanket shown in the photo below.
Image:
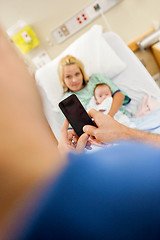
(148, 123)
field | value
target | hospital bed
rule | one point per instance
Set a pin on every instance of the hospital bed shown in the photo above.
(122, 67)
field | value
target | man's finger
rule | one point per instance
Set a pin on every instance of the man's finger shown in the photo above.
(82, 141)
(90, 130)
(64, 129)
(65, 126)
(93, 113)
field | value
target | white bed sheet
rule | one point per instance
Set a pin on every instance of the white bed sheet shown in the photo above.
(139, 82)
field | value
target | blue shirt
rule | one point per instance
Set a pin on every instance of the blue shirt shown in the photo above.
(112, 194)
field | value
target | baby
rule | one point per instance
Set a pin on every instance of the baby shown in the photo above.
(101, 92)
(102, 101)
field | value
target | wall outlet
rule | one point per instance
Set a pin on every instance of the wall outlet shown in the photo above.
(65, 30)
(41, 59)
(81, 18)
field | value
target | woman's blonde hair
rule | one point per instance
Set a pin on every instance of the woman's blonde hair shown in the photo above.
(68, 60)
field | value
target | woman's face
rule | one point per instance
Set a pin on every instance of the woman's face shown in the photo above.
(73, 77)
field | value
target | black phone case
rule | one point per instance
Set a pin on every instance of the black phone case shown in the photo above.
(75, 113)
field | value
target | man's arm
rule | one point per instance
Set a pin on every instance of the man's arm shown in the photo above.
(28, 150)
(110, 130)
(143, 136)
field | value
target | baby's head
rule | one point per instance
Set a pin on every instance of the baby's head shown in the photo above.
(101, 92)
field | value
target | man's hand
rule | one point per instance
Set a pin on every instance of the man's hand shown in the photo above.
(69, 140)
(108, 129)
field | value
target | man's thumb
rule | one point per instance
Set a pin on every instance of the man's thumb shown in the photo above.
(82, 141)
(90, 130)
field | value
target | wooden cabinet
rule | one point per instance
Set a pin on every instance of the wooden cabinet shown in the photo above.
(156, 52)
(149, 57)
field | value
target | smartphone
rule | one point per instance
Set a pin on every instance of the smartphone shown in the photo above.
(76, 114)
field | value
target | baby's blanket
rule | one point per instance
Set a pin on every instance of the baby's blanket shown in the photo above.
(148, 105)
(105, 107)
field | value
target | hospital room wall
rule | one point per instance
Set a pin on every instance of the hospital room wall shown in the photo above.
(129, 19)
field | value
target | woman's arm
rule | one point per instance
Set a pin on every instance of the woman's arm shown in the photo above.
(118, 98)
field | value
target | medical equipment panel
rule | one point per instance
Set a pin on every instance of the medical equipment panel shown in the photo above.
(82, 18)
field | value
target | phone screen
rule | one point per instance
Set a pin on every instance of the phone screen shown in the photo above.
(75, 113)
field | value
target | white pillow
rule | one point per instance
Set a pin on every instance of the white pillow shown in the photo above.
(93, 50)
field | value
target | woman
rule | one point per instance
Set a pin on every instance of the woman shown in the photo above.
(74, 80)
